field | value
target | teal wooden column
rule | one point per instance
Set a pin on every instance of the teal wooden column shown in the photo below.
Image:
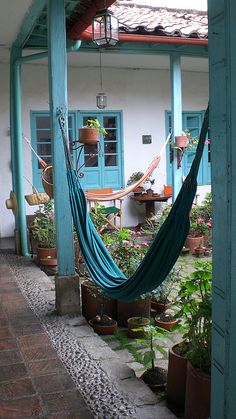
(16, 147)
(58, 99)
(222, 54)
(176, 115)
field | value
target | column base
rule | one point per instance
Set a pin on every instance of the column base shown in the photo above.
(67, 294)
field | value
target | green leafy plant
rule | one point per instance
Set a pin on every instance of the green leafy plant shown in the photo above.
(146, 346)
(43, 226)
(98, 218)
(94, 123)
(135, 177)
(198, 223)
(126, 249)
(192, 141)
(162, 293)
(195, 309)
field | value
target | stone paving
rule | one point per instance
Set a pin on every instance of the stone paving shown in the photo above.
(56, 366)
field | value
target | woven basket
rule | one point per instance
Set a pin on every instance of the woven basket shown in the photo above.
(47, 180)
(37, 198)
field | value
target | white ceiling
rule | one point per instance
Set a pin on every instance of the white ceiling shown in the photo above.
(14, 11)
(11, 17)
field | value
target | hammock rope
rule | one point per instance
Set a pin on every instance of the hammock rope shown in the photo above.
(164, 250)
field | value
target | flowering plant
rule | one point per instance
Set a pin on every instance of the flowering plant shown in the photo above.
(43, 226)
(198, 224)
(126, 249)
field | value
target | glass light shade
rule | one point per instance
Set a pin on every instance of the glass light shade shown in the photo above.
(105, 28)
(101, 100)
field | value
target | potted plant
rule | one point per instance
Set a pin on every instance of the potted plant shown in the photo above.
(128, 249)
(166, 320)
(89, 133)
(43, 231)
(92, 301)
(194, 308)
(150, 191)
(155, 377)
(135, 177)
(198, 227)
(102, 323)
(160, 297)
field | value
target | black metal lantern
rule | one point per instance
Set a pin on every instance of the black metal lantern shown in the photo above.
(105, 28)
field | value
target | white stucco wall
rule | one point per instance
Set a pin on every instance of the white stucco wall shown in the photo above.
(142, 95)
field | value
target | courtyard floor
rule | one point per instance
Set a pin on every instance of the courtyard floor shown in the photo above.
(56, 366)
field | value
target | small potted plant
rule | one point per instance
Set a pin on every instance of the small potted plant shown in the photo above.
(135, 177)
(150, 191)
(160, 297)
(155, 377)
(43, 231)
(89, 133)
(102, 323)
(198, 228)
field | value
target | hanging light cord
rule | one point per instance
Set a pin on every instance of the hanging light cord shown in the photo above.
(101, 81)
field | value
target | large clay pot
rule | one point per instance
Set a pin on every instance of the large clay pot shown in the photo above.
(193, 242)
(136, 308)
(176, 378)
(198, 394)
(91, 306)
(167, 325)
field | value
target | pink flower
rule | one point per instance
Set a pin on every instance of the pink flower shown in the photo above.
(208, 141)
(145, 244)
(139, 233)
(137, 246)
(132, 233)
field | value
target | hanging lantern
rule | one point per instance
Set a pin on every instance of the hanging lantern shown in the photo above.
(105, 28)
(101, 101)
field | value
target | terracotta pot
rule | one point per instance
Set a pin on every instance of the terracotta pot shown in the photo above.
(165, 325)
(181, 141)
(137, 308)
(91, 306)
(159, 307)
(102, 329)
(48, 262)
(138, 191)
(44, 254)
(155, 379)
(198, 394)
(176, 378)
(135, 323)
(193, 242)
(88, 135)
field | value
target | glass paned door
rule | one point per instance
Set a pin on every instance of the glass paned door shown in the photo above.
(103, 162)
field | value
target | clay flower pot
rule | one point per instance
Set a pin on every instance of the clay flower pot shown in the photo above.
(136, 323)
(181, 141)
(103, 325)
(176, 376)
(198, 393)
(46, 256)
(165, 321)
(88, 135)
(194, 242)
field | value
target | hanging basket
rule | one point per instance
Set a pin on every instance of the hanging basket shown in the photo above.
(88, 136)
(37, 198)
(47, 181)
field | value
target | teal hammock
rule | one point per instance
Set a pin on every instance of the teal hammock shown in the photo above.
(164, 250)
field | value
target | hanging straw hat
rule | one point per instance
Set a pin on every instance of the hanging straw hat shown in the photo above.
(47, 180)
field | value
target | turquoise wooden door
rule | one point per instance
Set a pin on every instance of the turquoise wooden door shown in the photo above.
(103, 163)
(193, 122)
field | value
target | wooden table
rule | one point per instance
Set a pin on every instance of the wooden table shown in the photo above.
(149, 201)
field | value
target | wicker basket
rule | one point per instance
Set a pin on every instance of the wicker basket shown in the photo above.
(47, 180)
(37, 198)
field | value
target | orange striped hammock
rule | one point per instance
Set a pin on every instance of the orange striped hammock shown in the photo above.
(123, 192)
(115, 194)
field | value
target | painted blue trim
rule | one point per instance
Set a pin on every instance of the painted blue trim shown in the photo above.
(29, 22)
(204, 177)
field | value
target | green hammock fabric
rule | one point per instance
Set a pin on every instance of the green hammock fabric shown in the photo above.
(163, 252)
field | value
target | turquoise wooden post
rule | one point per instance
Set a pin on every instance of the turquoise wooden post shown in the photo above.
(16, 147)
(67, 284)
(176, 115)
(222, 35)
(58, 99)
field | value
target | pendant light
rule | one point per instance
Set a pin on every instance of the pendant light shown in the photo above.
(101, 98)
(105, 27)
